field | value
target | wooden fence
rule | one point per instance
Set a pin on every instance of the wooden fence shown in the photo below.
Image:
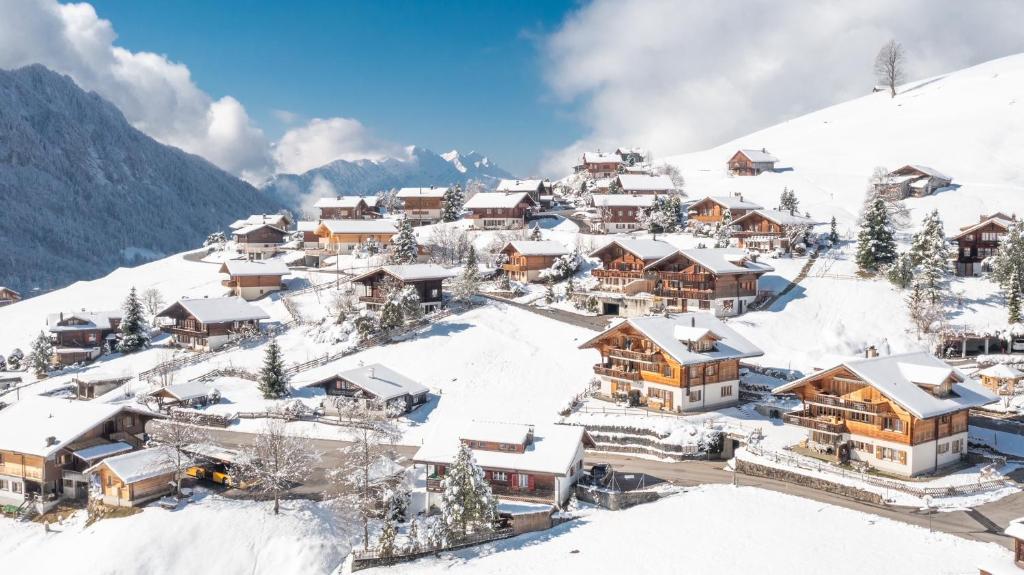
(365, 559)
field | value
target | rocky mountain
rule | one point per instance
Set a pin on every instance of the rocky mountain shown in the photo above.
(82, 192)
(419, 167)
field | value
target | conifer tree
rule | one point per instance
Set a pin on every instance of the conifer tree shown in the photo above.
(549, 294)
(833, 234)
(724, 231)
(403, 245)
(614, 187)
(469, 281)
(930, 255)
(788, 201)
(901, 273)
(535, 234)
(1013, 305)
(1009, 256)
(134, 334)
(414, 537)
(273, 381)
(467, 504)
(41, 357)
(386, 543)
(453, 201)
(876, 247)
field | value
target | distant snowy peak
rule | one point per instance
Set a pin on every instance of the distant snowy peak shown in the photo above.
(471, 161)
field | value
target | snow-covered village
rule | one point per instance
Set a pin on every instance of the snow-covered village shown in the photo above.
(750, 275)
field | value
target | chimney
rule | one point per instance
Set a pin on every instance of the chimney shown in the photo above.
(529, 435)
(693, 321)
(764, 151)
(61, 316)
(870, 352)
(51, 440)
(370, 372)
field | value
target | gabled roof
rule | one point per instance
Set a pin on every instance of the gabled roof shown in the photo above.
(410, 272)
(647, 250)
(1002, 371)
(997, 220)
(496, 432)
(486, 200)
(381, 381)
(520, 186)
(241, 268)
(248, 229)
(758, 155)
(601, 158)
(218, 309)
(896, 377)
(552, 451)
(923, 170)
(778, 217)
(359, 226)
(431, 192)
(92, 319)
(279, 220)
(26, 425)
(731, 202)
(537, 247)
(307, 226)
(662, 331)
(622, 201)
(101, 450)
(339, 202)
(642, 183)
(187, 390)
(138, 465)
(720, 261)
(9, 290)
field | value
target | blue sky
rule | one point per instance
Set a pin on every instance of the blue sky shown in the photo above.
(464, 75)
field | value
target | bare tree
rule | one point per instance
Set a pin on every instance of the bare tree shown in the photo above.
(176, 437)
(882, 187)
(276, 461)
(890, 65)
(359, 481)
(153, 300)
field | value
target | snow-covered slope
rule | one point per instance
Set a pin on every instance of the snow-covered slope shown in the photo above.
(419, 167)
(84, 192)
(967, 124)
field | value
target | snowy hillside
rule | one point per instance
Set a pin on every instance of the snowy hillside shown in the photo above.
(420, 167)
(967, 124)
(84, 192)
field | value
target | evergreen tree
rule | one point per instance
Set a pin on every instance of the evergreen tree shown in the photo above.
(788, 201)
(273, 381)
(724, 231)
(467, 504)
(403, 245)
(876, 247)
(930, 255)
(1013, 305)
(614, 187)
(41, 357)
(453, 201)
(392, 315)
(134, 331)
(386, 543)
(833, 234)
(535, 234)
(901, 273)
(1009, 257)
(549, 293)
(414, 537)
(570, 288)
(469, 282)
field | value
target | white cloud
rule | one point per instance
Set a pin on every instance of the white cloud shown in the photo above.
(680, 76)
(324, 140)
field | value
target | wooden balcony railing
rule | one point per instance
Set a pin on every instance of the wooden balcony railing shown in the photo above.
(371, 299)
(514, 267)
(603, 273)
(833, 401)
(803, 420)
(686, 277)
(617, 373)
(634, 355)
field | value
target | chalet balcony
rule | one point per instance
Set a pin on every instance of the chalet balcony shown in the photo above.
(629, 274)
(514, 267)
(372, 299)
(833, 401)
(617, 352)
(184, 330)
(826, 424)
(686, 293)
(685, 277)
(229, 283)
(617, 373)
(435, 485)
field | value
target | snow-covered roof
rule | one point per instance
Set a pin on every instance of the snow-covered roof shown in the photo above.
(645, 183)
(9, 290)
(537, 247)
(721, 261)
(924, 170)
(219, 309)
(26, 425)
(731, 202)
(92, 453)
(238, 268)
(381, 381)
(647, 250)
(278, 220)
(662, 331)
(339, 202)
(601, 158)
(779, 217)
(999, 221)
(519, 185)
(91, 319)
(187, 390)
(244, 230)
(1016, 528)
(138, 465)
(758, 155)
(900, 377)
(431, 192)
(691, 333)
(306, 226)
(1001, 371)
(552, 450)
(496, 432)
(411, 272)
(360, 226)
(485, 200)
(622, 201)
(371, 201)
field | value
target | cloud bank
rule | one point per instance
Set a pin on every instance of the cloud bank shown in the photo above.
(682, 76)
(324, 140)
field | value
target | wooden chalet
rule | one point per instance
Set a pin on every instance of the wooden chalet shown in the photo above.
(912, 180)
(618, 213)
(622, 266)
(46, 444)
(902, 414)
(259, 241)
(188, 394)
(645, 184)
(1008, 565)
(94, 383)
(251, 280)
(527, 258)
(81, 336)
(976, 243)
(344, 208)
(720, 280)
(1000, 379)
(536, 188)
(422, 206)
(135, 478)
(277, 220)
(770, 230)
(600, 164)
(371, 383)
(520, 462)
(210, 323)
(751, 162)
(427, 279)
(673, 362)
(8, 296)
(711, 209)
(499, 210)
(344, 236)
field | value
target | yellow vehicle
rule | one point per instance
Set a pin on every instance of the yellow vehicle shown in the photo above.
(215, 476)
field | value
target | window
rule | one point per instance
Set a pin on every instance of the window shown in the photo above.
(726, 391)
(695, 395)
(861, 446)
(957, 445)
(890, 454)
(524, 480)
(859, 416)
(505, 447)
(967, 252)
(892, 424)
(16, 487)
(499, 476)
(704, 304)
(3, 485)
(666, 370)
(711, 369)
(727, 305)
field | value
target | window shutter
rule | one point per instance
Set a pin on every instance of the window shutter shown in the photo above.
(878, 451)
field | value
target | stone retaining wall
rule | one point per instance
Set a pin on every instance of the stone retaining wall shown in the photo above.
(758, 470)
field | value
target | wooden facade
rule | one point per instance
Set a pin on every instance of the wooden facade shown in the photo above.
(978, 242)
(8, 296)
(378, 284)
(343, 242)
(525, 268)
(711, 211)
(491, 218)
(358, 211)
(259, 241)
(678, 278)
(115, 491)
(741, 164)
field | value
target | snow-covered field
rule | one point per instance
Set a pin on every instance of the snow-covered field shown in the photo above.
(722, 529)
